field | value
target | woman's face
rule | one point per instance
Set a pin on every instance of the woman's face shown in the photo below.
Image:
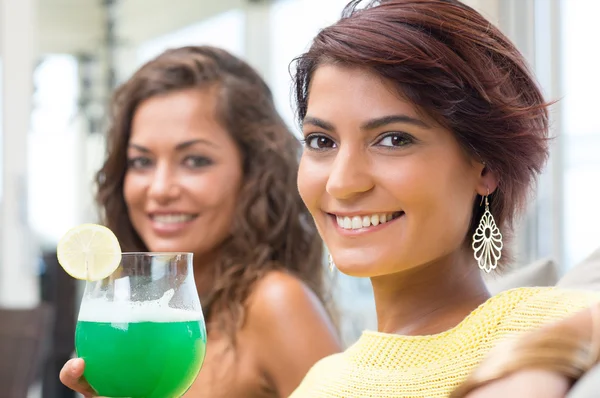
(389, 189)
(184, 173)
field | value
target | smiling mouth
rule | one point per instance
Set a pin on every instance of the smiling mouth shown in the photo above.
(365, 221)
(175, 218)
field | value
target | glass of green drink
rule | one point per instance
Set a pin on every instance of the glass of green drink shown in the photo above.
(141, 330)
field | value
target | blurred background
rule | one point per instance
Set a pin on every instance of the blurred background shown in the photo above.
(61, 59)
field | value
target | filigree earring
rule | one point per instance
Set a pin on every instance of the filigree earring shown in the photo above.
(487, 240)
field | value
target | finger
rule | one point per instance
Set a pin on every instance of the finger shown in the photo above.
(71, 375)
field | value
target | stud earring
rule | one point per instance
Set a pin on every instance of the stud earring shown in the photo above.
(487, 240)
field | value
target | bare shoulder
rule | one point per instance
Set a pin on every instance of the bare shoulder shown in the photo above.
(279, 296)
(287, 329)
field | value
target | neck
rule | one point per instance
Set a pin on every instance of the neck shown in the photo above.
(430, 298)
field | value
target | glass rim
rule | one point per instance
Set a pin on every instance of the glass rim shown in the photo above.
(146, 261)
(155, 254)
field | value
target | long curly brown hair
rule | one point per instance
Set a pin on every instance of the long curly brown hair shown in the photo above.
(272, 228)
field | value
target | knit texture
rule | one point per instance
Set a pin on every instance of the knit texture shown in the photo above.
(383, 365)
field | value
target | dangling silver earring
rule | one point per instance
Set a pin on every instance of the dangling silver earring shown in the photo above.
(331, 263)
(487, 240)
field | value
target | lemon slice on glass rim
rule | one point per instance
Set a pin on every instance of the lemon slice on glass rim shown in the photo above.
(89, 252)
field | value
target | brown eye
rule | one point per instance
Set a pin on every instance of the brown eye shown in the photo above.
(139, 162)
(395, 140)
(319, 142)
(197, 161)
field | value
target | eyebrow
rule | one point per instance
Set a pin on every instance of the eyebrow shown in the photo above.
(315, 121)
(385, 120)
(179, 147)
(370, 124)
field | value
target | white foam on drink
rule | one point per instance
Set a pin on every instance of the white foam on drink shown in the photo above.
(103, 310)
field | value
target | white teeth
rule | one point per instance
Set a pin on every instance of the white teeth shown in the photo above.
(359, 222)
(366, 221)
(347, 223)
(172, 218)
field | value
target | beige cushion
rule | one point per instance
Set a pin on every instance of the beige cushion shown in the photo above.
(588, 386)
(539, 273)
(585, 275)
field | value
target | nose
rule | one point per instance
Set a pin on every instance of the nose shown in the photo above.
(350, 174)
(164, 185)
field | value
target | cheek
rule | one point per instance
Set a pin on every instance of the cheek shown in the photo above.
(217, 190)
(226, 202)
(223, 204)
(132, 190)
(312, 180)
(302, 182)
(232, 185)
(450, 208)
(437, 197)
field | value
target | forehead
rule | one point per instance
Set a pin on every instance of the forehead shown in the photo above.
(178, 115)
(338, 89)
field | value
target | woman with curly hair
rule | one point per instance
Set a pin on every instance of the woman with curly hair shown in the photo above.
(199, 161)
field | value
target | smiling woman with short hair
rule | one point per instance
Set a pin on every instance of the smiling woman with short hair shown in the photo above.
(424, 133)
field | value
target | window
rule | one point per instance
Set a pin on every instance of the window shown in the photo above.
(294, 23)
(53, 158)
(581, 86)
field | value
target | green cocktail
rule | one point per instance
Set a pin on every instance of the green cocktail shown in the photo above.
(141, 359)
(141, 331)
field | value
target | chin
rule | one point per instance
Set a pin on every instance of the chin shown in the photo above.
(358, 266)
(372, 262)
(356, 271)
(369, 270)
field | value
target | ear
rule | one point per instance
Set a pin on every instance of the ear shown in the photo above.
(488, 181)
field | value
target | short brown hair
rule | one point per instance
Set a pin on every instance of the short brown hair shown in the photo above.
(457, 68)
(272, 227)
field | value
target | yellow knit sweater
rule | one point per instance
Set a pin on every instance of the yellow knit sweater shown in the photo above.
(386, 365)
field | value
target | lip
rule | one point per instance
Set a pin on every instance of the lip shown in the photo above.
(359, 214)
(360, 231)
(166, 212)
